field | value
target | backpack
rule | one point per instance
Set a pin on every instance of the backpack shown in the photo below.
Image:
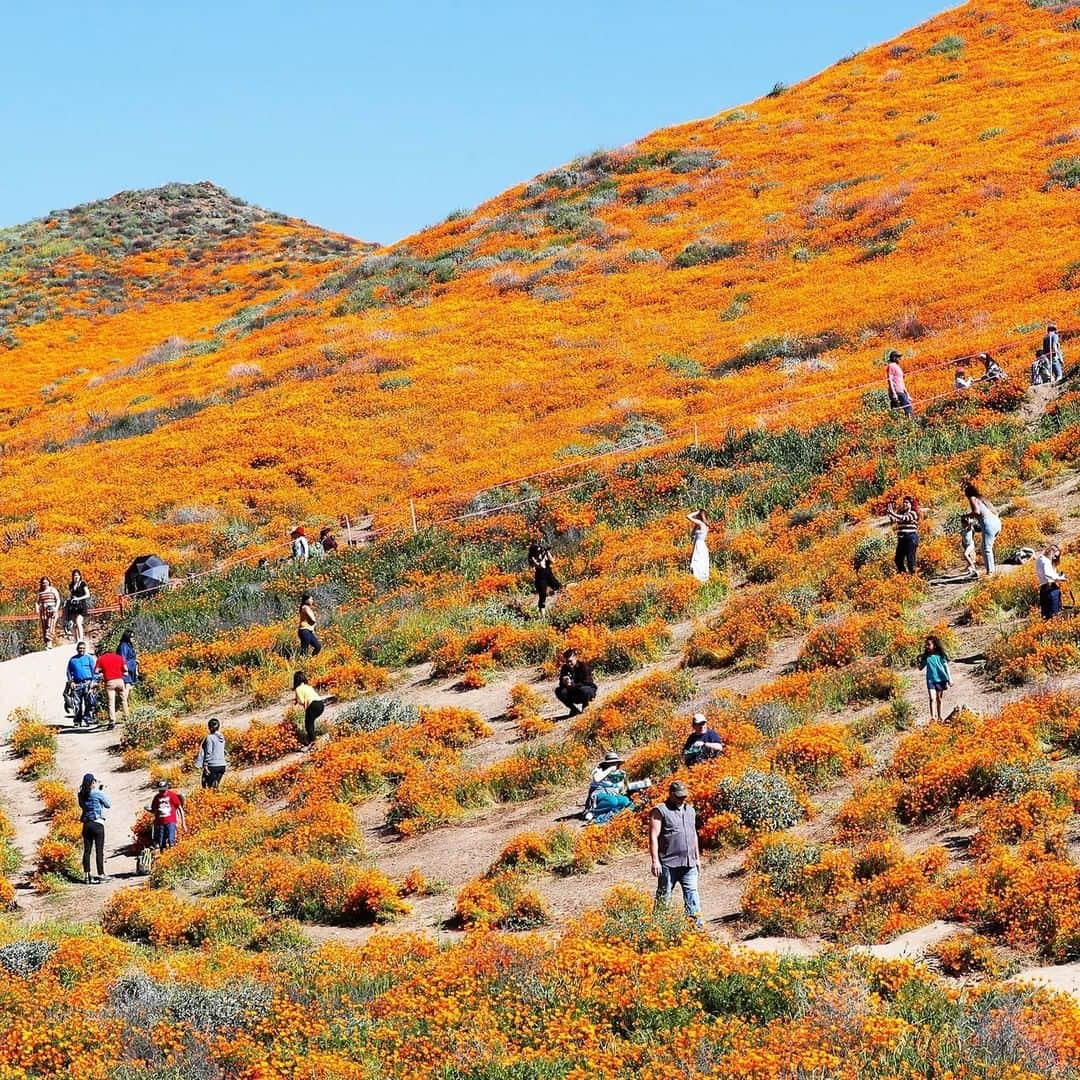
(144, 861)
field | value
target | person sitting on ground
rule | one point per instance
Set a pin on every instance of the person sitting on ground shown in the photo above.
(78, 605)
(1049, 579)
(1051, 344)
(544, 580)
(577, 687)
(80, 684)
(300, 548)
(167, 808)
(211, 757)
(968, 523)
(935, 662)
(702, 744)
(313, 705)
(111, 667)
(1040, 369)
(609, 790)
(994, 371)
(906, 520)
(961, 380)
(326, 540)
(47, 607)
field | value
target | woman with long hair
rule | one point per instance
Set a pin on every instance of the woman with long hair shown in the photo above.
(989, 522)
(313, 705)
(47, 606)
(126, 648)
(306, 629)
(93, 804)
(699, 537)
(935, 662)
(544, 579)
(78, 605)
(906, 520)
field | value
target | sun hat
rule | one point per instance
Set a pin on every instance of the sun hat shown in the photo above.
(678, 788)
(699, 718)
(611, 758)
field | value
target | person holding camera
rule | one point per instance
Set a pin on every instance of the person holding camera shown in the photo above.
(702, 744)
(93, 804)
(577, 687)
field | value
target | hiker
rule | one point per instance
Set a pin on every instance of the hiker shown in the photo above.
(307, 696)
(935, 663)
(577, 687)
(211, 757)
(77, 606)
(80, 685)
(1051, 344)
(1041, 370)
(699, 536)
(609, 789)
(93, 804)
(899, 398)
(306, 630)
(673, 850)
(126, 649)
(994, 371)
(988, 521)
(47, 607)
(906, 520)
(961, 380)
(300, 548)
(326, 540)
(968, 523)
(111, 667)
(167, 808)
(1049, 579)
(544, 580)
(702, 744)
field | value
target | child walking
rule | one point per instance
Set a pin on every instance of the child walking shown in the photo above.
(935, 663)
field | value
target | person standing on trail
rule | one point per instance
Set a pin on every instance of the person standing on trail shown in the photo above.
(577, 687)
(544, 580)
(326, 540)
(989, 522)
(167, 808)
(699, 537)
(80, 684)
(899, 398)
(126, 648)
(111, 667)
(47, 606)
(673, 850)
(93, 804)
(1051, 344)
(967, 542)
(78, 605)
(305, 631)
(211, 758)
(906, 520)
(307, 697)
(935, 663)
(1049, 579)
(702, 744)
(1041, 371)
(300, 548)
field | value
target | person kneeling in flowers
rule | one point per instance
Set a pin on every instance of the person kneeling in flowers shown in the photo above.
(609, 790)
(577, 687)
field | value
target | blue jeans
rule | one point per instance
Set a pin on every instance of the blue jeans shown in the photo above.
(988, 538)
(903, 401)
(1057, 369)
(165, 835)
(687, 878)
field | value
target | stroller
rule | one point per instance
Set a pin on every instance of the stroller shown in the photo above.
(81, 701)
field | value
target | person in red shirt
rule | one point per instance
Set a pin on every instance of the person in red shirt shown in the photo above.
(167, 806)
(111, 666)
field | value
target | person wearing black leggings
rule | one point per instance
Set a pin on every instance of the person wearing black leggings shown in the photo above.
(93, 804)
(306, 630)
(313, 705)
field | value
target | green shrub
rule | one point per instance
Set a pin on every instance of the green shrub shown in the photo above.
(703, 252)
(1065, 172)
(950, 46)
(373, 713)
(762, 800)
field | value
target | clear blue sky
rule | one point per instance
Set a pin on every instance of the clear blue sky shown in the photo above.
(377, 119)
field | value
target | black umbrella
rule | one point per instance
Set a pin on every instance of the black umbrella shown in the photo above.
(146, 575)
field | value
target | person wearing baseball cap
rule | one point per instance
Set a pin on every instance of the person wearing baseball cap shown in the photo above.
(702, 744)
(167, 806)
(899, 398)
(673, 850)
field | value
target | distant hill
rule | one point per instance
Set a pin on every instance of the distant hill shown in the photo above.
(188, 374)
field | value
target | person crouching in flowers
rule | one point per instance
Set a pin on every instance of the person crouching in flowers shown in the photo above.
(935, 663)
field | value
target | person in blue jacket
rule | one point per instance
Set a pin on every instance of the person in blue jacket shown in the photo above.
(93, 804)
(935, 663)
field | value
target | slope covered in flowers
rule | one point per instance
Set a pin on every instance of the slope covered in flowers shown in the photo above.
(239, 370)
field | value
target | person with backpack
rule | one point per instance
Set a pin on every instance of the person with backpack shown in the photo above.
(211, 760)
(544, 580)
(702, 744)
(47, 606)
(988, 520)
(93, 804)
(906, 520)
(78, 605)
(899, 398)
(167, 809)
(112, 669)
(1041, 371)
(305, 631)
(1049, 579)
(307, 697)
(78, 690)
(673, 850)
(935, 662)
(1051, 345)
(577, 687)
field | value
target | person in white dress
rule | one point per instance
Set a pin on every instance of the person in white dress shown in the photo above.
(699, 556)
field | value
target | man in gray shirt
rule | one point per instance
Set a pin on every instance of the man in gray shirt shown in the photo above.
(673, 848)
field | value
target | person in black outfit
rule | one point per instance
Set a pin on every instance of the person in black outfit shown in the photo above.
(577, 687)
(92, 806)
(544, 579)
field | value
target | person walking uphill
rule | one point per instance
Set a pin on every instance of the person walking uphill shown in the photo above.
(577, 687)
(1049, 579)
(673, 850)
(1051, 344)
(211, 760)
(112, 669)
(906, 520)
(93, 804)
(544, 580)
(935, 663)
(989, 523)
(899, 398)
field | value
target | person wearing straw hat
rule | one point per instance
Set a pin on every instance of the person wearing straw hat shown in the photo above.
(609, 789)
(673, 850)
(702, 744)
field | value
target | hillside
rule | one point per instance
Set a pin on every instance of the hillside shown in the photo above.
(920, 194)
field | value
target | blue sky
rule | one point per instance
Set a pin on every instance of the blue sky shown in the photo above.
(377, 119)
